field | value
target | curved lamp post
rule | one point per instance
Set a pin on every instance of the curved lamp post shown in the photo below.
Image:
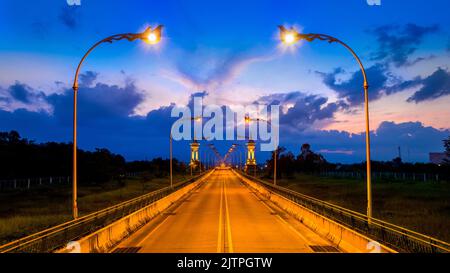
(291, 36)
(150, 36)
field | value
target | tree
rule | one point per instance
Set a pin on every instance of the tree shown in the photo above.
(307, 160)
(447, 150)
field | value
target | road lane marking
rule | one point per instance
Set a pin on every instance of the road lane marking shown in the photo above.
(219, 237)
(180, 204)
(284, 222)
(230, 240)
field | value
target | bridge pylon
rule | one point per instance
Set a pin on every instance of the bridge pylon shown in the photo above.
(195, 161)
(250, 165)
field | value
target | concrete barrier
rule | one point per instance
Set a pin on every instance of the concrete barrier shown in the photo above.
(104, 239)
(343, 237)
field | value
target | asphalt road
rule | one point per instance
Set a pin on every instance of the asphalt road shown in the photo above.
(223, 215)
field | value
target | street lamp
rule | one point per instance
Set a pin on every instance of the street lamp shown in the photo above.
(291, 36)
(240, 154)
(150, 36)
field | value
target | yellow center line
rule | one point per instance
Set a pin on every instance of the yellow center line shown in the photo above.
(219, 237)
(230, 241)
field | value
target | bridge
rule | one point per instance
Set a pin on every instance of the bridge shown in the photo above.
(223, 215)
(225, 210)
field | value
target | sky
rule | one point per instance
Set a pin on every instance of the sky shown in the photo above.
(229, 53)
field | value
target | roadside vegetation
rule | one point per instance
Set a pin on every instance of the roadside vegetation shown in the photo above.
(421, 205)
(28, 211)
(104, 179)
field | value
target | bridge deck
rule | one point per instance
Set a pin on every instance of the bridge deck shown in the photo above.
(224, 216)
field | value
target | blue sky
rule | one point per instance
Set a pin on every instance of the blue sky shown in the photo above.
(230, 50)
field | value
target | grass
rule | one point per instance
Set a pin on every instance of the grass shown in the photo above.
(420, 206)
(26, 212)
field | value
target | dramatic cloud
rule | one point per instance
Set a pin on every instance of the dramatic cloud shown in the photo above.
(352, 90)
(300, 110)
(382, 82)
(20, 92)
(434, 86)
(20, 95)
(397, 44)
(106, 120)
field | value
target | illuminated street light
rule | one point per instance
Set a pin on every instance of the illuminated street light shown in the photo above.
(291, 36)
(150, 36)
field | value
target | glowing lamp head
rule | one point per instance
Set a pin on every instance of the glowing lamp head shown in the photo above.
(247, 119)
(152, 36)
(288, 36)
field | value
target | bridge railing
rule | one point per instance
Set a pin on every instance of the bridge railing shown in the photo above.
(58, 236)
(395, 237)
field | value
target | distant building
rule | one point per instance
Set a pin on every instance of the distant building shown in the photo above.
(438, 158)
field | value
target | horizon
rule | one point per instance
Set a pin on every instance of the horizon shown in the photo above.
(229, 54)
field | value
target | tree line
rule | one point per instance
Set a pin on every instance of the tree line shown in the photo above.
(23, 158)
(307, 161)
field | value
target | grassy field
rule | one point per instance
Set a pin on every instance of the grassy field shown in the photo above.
(26, 212)
(419, 206)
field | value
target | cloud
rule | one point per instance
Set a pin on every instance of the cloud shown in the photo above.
(396, 44)
(382, 82)
(434, 86)
(106, 120)
(20, 95)
(204, 71)
(414, 138)
(327, 151)
(69, 15)
(20, 92)
(352, 90)
(300, 110)
(100, 102)
(88, 78)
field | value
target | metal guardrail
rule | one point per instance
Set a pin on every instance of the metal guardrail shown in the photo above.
(395, 237)
(28, 183)
(58, 236)
(395, 176)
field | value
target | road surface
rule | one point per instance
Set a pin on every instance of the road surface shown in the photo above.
(223, 215)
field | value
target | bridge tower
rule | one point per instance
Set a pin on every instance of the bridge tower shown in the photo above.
(194, 155)
(251, 159)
